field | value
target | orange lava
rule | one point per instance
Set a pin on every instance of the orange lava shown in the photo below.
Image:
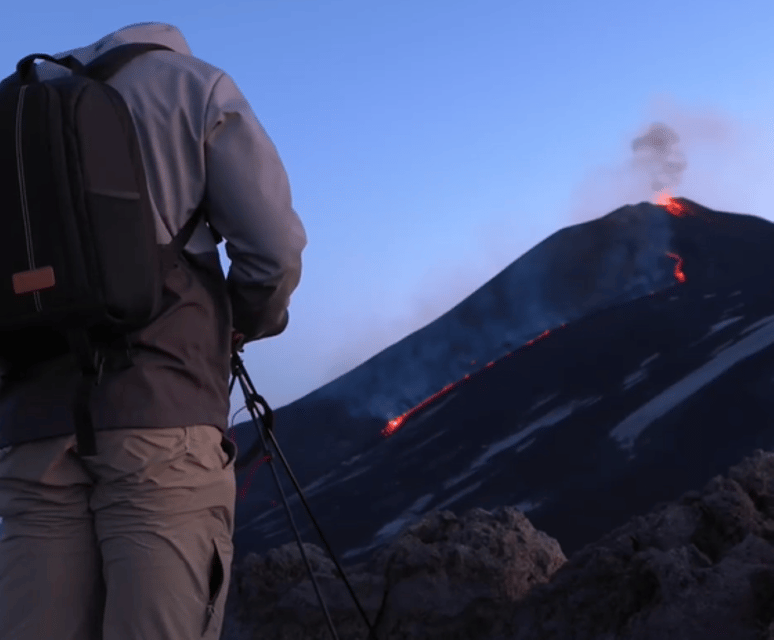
(679, 275)
(396, 423)
(677, 209)
(540, 337)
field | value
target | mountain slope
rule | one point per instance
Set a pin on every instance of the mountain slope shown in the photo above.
(600, 419)
(575, 271)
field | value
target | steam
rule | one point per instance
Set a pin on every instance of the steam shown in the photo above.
(657, 155)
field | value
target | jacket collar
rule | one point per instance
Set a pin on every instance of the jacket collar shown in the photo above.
(155, 32)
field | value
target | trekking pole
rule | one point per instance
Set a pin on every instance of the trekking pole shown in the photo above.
(252, 400)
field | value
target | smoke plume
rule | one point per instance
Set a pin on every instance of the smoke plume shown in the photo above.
(657, 155)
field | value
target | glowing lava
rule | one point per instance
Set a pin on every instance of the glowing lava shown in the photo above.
(540, 337)
(396, 423)
(677, 209)
(679, 275)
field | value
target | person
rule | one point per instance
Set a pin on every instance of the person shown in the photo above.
(136, 541)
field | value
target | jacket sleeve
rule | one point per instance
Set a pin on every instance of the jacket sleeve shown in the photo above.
(249, 204)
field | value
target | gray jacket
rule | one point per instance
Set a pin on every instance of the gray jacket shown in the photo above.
(198, 136)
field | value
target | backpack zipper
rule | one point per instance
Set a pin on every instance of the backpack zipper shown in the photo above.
(23, 191)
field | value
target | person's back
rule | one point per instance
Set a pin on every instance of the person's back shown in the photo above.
(153, 510)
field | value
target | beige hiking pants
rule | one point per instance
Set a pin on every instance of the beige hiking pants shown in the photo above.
(134, 543)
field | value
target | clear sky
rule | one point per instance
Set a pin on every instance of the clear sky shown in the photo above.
(430, 143)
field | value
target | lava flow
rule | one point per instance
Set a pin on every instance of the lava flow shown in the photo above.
(396, 423)
(677, 209)
(540, 337)
(679, 275)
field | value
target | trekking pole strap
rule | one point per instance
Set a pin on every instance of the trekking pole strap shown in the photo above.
(248, 390)
(85, 437)
(91, 360)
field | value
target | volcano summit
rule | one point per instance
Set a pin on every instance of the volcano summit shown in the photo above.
(653, 372)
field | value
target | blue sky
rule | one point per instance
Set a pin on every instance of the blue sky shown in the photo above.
(430, 143)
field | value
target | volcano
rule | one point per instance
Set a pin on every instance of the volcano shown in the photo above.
(616, 365)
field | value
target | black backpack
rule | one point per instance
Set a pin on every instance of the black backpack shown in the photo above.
(80, 267)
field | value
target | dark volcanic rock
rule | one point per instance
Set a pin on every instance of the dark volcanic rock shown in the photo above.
(443, 578)
(701, 568)
(607, 415)
(617, 409)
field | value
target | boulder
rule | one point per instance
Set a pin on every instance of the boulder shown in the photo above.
(444, 577)
(701, 568)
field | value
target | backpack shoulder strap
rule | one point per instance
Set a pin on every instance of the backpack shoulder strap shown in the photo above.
(100, 69)
(111, 61)
(172, 251)
(103, 68)
(184, 235)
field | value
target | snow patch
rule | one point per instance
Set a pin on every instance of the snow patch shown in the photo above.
(632, 426)
(650, 359)
(543, 401)
(437, 405)
(718, 326)
(322, 483)
(354, 474)
(723, 324)
(757, 324)
(640, 374)
(634, 378)
(352, 460)
(394, 527)
(268, 512)
(319, 482)
(428, 440)
(528, 505)
(549, 419)
(722, 347)
(353, 552)
(459, 494)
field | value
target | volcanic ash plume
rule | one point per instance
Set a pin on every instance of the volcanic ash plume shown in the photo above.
(656, 154)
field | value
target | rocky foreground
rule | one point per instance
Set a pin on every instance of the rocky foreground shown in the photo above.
(700, 568)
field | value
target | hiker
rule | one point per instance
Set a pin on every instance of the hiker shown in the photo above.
(135, 541)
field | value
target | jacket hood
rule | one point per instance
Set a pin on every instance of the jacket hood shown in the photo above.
(155, 32)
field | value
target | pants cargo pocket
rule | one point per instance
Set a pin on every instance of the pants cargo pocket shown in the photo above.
(230, 449)
(217, 579)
